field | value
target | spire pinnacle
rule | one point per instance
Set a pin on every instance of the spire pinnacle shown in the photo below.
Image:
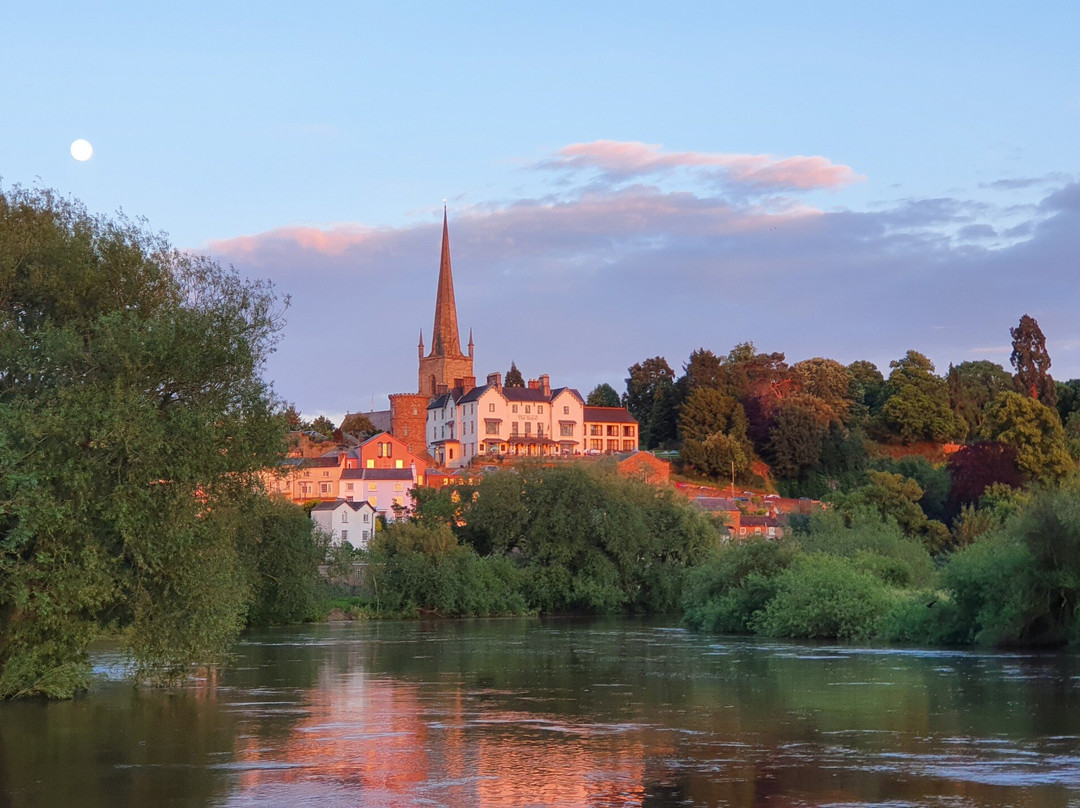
(444, 338)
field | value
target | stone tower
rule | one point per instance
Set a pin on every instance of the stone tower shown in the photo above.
(445, 367)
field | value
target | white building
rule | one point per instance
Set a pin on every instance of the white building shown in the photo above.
(346, 522)
(532, 421)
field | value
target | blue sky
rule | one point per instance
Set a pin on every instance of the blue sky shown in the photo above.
(623, 180)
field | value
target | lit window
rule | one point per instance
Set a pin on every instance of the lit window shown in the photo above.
(370, 463)
(371, 486)
(398, 487)
(398, 464)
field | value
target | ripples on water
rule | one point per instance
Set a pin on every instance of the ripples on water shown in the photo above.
(511, 713)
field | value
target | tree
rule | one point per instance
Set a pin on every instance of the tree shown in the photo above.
(704, 369)
(867, 386)
(972, 386)
(977, 466)
(826, 380)
(1034, 430)
(603, 395)
(1032, 362)
(918, 404)
(661, 430)
(713, 429)
(323, 425)
(513, 377)
(641, 386)
(798, 434)
(358, 425)
(134, 426)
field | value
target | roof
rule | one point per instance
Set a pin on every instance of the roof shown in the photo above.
(571, 390)
(524, 394)
(609, 415)
(439, 402)
(377, 474)
(715, 503)
(324, 462)
(474, 394)
(759, 521)
(380, 419)
(337, 503)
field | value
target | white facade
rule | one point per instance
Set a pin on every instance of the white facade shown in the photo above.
(346, 522)
(497, 420)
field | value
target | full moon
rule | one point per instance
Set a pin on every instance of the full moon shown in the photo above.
(81, 150)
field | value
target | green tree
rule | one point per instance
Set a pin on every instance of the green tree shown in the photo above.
(1034, 430)
(972, 386)
(867, 386)
(133, 427)
(513, 377)
(826, 380)
(661, 430)
(1032, 362)
(603, 395)
(713, 429)
(704, 369)
(323, 425)
(358, 425)
(918, 405)
(799, 431)
(641, 386)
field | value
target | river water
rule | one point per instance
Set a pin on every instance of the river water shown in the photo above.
(535, 712)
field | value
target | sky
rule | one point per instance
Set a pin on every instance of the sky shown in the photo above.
(622, 180)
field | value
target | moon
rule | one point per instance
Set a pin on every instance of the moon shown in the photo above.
(81, 150)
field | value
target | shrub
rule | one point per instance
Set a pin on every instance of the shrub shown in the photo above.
(824, 597)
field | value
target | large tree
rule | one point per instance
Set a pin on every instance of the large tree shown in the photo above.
(703, 369)
(1034, 430)
(641, 386)
(133, 426)
(603, 395)
(513, 377)
(918, 405)
(972, 386)
(713, 428)
(1032, 362)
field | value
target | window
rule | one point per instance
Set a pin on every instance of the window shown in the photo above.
(348, 486)
(345, 515)
(344, 535)
(613, 446)
(528, 427)
(565, 410)
(389, 449)
(370, 463)
(539, 430)
(612, 431)
(367, 516)
(540, 408)
(513, 408)
(594, 429)
(399, 502)
(514, 428)
(326, 474)
(491, 407)
(628, 431)
(324, 489)
(371, 486)
(373, 502)
(596, 444)
(399, 464)
(628, 445)
(405, 429)
(528, 409)
(491, 426)
(398, 487)
(566, 429)
(380, 448)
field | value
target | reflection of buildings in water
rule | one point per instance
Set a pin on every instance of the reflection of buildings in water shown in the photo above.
(396, 740)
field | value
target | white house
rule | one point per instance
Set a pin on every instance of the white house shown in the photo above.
(345, 521)
(534, 421)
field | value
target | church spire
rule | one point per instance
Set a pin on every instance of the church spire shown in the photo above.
(444, 337)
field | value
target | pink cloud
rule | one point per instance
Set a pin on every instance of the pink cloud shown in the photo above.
(629, 158)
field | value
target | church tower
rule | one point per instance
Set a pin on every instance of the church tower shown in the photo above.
(445, 367)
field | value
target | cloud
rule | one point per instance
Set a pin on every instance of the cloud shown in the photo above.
(584, 282)
(621, 160)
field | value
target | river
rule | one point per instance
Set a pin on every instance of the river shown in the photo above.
(537, 712)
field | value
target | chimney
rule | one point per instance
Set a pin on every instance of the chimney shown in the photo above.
(545, 384)
(341, 458)
(534, 384)
(468, 383)
(495, 380)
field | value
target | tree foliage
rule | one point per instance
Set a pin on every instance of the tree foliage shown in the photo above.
(133, 424)
(972, 386)
(603, 395)
(513, 377)
(1032, 362)
(1034, 430)
(713, 427)
(917, 408)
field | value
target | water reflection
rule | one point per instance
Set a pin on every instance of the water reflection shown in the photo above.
(561, 713)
